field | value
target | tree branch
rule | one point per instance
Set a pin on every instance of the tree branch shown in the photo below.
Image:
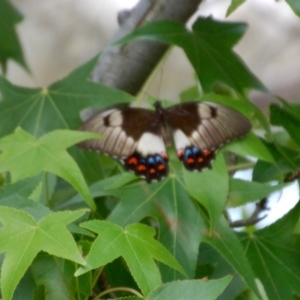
(127, 67)
(254, 218)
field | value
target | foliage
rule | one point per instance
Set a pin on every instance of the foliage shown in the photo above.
(70, 219)
(10, 47)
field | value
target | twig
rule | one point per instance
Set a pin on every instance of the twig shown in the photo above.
(254, 218)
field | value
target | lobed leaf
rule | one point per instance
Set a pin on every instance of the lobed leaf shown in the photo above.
(225, 241)
(35, 109)
(199, 185)
(24, 156)
(208, 47)
(10, 47)
(48, 234)
(190, 290)
(274, 256)
(138, 247)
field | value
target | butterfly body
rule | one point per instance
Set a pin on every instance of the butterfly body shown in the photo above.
(138, 136)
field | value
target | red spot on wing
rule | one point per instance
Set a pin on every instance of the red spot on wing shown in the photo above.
(141, 168)
(164, 155)
(190, 161)
(180, 153)
(160, 167)
(152, 171)
(206, 152)
(132, 160)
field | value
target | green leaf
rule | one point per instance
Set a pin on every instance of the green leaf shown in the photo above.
(242, 191)
(208, 47)
(169, 204)
(22, 188)
(15, 200)
(26, 287)
(45, 154)
(48, 234)
(233, 6)
(199, 185)
(287, 117)
(10, 46)
(225, 241)
(190, 290)
(295, 6)
(136, 244)
(287, 160)
(36, 109)
(251, 145)
(57, 276)
(128, 298)
(47, 271)
(212, 265)
(274, 256)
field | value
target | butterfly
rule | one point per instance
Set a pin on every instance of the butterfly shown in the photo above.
(138, 136)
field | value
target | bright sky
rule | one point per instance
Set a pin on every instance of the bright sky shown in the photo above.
(126, 3)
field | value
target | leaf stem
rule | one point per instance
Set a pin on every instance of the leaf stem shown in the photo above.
(118, 289)
(241, 166)
(99, 271)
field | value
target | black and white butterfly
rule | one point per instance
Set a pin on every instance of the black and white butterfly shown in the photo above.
(138, 136)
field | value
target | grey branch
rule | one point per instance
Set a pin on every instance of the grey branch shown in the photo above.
(127, 67)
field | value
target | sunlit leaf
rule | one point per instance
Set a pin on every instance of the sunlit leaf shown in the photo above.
(24, 156)
(190, 290)
(138, 247)
(48, 234)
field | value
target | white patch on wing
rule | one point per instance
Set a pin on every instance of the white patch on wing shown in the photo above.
(108, 112)
(128, 147)
(150, 143)
(180, 139)
(116, 119)
(204, 111)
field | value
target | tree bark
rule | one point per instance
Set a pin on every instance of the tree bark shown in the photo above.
(127, 67)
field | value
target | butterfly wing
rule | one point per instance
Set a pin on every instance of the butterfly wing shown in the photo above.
(199, 128)
(133, 135)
